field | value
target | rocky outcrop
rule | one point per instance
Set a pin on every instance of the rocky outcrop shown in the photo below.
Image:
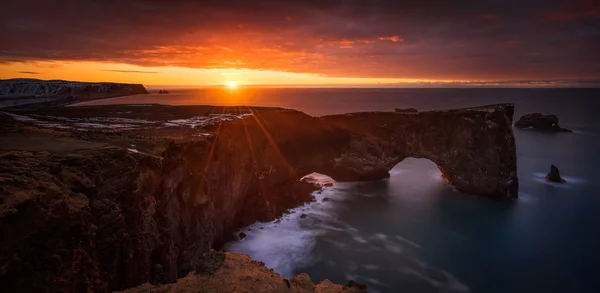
(554, 175)
(59, 88)
(108, 219)
(406, 110)
(474, 148)
(239, 273)
(540, 122)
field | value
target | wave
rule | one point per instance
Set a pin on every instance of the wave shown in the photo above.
(288, 243)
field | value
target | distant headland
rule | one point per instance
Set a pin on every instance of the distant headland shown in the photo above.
(27, 87)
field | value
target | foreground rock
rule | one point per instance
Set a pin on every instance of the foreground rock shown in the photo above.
(239, 273)
(103, 217)
(554, 175)
(540, 122)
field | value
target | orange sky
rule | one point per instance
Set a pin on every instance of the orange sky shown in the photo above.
(175, 76)
(299, 42)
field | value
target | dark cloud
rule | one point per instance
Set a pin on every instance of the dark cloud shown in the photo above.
(130, 71)
(28, 72)
(463, 39)
(583, 83)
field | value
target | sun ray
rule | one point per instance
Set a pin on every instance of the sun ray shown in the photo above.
(253, 153)
(256, 115)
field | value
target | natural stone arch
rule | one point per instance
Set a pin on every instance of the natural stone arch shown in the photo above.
(474, 148)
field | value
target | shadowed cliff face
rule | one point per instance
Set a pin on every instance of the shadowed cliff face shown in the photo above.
(474, 148)
(106, 219)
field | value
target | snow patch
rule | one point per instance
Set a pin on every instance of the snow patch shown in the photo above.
(202, 121)
(120, 124)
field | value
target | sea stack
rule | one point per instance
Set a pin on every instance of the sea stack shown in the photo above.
(554, 175)
(407, 110)
(540, 122)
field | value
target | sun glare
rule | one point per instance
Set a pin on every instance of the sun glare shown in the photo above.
(231, 84)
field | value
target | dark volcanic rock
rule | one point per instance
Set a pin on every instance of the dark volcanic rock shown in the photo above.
(554, 175)
(242, 235)
(106, 219)
(540, 122)
(474, 148)
(303, 216)
(407, 110)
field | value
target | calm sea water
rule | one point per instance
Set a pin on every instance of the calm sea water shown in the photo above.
(412, 232)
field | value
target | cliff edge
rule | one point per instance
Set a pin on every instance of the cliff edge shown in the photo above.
(24, 87)
(103, 204)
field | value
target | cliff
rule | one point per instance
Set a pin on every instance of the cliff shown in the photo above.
(103, 218)
(474, 148)
(60, 88)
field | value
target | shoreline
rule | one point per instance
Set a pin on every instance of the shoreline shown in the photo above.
(162, 185)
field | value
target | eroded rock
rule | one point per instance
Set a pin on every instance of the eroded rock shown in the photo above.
(474, 148)
(554, 175)
(112, 219)
(406, 110)
(540, 122)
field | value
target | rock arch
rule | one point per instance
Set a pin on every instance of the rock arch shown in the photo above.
(474, 148)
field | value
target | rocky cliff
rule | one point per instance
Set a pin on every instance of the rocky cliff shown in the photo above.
(108, 218)
(60, 88)
(474, 148)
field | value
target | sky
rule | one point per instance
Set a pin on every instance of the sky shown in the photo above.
(326, 42)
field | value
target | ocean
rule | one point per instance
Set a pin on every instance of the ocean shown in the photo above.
(413, 232)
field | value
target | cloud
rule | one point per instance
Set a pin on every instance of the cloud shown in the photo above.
(394, 39)
(432, 39)
(129, 71)
(583, 83)
(28, 72)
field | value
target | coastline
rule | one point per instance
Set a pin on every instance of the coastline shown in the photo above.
(161, 185)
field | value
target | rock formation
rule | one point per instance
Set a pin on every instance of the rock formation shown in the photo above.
(554, 175)
(239, 273)
(107, 219)
(22, 87)
(540, 122)
(474, 148)
(407, 110)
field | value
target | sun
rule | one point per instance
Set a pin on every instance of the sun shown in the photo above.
(231, 84)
